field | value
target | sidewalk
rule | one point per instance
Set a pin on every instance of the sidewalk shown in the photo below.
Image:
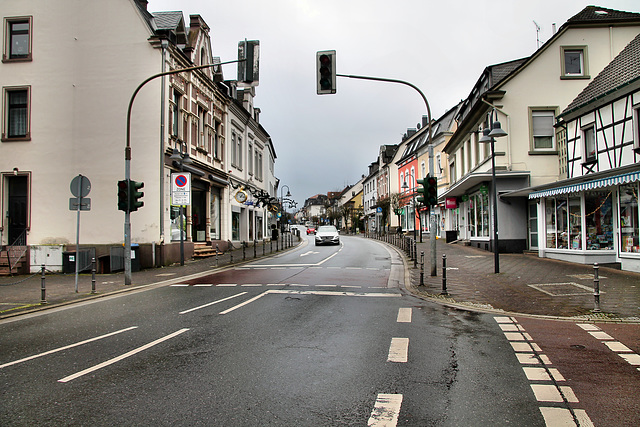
(526, 284)
(22, 294)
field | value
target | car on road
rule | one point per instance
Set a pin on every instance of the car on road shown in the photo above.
(311, 230)
(327, 235)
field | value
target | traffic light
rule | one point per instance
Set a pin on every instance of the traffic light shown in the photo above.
(135, 195)
(123, 196)
(422, 183)
(431, 192)
(249, 62)
(326, 72)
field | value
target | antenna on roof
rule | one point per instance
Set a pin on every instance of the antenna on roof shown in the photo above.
(537, 33)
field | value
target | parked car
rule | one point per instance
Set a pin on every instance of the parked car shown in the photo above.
(327, 234)
(311, 230)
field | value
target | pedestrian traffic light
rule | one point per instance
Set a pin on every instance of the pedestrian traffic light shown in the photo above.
(123, 196)
(135, 195)
(431, 192)
(326, 72)
(422, 183)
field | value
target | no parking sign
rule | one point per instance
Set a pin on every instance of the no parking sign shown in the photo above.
(180, 189)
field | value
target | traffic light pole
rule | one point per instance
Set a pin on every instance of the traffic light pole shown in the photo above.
(433, 225)
(127, 159)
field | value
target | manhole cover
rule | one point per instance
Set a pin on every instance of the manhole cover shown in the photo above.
(563, 289)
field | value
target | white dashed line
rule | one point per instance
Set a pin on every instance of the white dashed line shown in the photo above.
(385, 411)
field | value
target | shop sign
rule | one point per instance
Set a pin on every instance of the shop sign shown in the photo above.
(451, 203)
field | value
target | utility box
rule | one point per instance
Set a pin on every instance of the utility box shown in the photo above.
(83, 258)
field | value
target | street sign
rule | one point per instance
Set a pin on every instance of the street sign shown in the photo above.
(85, 204)
(180, 189)
(80, 186)
(379, 209)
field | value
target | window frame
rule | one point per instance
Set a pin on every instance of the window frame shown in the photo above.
(584, 74)
(7, 111)
(586, 156)
(533, 112)
(8, 37)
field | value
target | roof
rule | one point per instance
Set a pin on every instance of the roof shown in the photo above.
(167, 20)
(620, 72)
(595, 14)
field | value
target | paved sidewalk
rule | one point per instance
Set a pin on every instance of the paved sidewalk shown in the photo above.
(526, 284)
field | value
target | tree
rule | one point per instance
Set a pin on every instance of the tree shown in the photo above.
(385, 204)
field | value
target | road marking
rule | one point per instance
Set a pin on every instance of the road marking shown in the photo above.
(617, 347)
(211, 303)
(180, 285)
(35, 356)
(398, 350)
(563, 417)
(385, 411)
(203, 285)
(244, 303)
(122, 357)
(226, 285)
(404, 315)
(309, 253)
(252, 285)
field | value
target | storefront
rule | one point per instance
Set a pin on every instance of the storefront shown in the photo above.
(592, 221)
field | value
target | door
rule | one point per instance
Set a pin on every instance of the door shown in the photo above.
(533, 225)
(17, 209)
(199, 216)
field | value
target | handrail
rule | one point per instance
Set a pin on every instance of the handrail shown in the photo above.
(17, 248)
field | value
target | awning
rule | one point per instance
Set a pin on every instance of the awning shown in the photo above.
(588, 185)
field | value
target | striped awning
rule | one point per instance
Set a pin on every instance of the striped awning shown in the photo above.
(588, 185)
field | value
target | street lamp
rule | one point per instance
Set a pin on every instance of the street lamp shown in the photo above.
(413, 202)
(489, 136)
(284, 210)
(184, 159)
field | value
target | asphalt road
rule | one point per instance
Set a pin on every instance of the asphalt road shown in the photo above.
(318, 336)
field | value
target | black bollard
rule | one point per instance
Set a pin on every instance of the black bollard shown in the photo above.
(596, 288)
(421, 268)
(93, 275)
(444, 275)
(43, 287)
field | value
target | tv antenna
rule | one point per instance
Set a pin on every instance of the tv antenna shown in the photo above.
(537, 33)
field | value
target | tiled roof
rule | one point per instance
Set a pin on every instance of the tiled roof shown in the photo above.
(622, 70)
(167, 20)
(595, 14)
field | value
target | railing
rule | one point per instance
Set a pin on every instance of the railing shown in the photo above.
(16, 250)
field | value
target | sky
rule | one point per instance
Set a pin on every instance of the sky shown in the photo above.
(325, 142)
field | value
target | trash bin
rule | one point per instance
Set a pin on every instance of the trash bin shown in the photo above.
(135, 257)
(452, 235)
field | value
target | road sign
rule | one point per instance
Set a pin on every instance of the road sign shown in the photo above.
(80, 186)
(85, 204)
(180, 189)
(379, 209)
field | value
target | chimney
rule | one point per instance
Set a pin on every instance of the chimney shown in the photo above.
(143, 4)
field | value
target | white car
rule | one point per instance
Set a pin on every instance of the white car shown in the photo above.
(327, 234)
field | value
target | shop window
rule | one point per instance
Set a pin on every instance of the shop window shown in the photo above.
(479, 214)
(563, 223)
(629, 219)
(599, 220)
(235, 226)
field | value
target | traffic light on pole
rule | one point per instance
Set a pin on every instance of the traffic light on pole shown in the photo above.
(421, 190)
(135, 195)
(123, 196)
(326, 72)
(431, 192)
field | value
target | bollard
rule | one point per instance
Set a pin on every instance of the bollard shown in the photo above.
(270, 246)
(415, 253)
(444, 275)
(421, 268)
(255, 244)
(596, 288)
(264, 245)
(216, 255)
(43, 288)
(244, 247)
(93, 275)
(231, 253)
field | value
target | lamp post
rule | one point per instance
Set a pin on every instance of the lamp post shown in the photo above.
(184, 159)
(489, 136)
(284, 210)
(413, 201)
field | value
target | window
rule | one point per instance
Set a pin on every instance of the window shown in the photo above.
(175, 114)
(16, 116)
(201, 134)
(250, 158)
(599, 220)
(629, 218)
(17, 45)
(574, 62)
(636, 128)
(542, 131)
(589, 141)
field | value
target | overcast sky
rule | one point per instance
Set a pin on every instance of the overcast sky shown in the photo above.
(323, 143)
